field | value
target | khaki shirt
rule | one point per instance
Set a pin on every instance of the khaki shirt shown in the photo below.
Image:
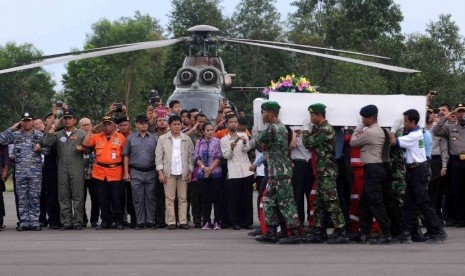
(371, 142)
(454, 132)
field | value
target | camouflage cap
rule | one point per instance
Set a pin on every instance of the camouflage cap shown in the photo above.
(317, 108)
(107, 119)
(460, 106)
(270, 105)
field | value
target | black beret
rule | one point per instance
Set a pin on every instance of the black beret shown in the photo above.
(368, 111)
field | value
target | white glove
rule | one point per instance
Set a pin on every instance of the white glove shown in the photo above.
(254, 131)
(397, 125)
(307, 125)
(360, 125)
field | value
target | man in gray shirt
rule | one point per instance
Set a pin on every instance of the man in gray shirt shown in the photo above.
(139, 169)
(376, 185)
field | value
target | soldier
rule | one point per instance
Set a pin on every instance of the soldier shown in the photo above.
(70, 170)
(4, 161)
(322, 142)
(139, 169)
(27, 151)
(278, 200)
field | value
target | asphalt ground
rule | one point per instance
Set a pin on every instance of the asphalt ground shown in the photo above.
(210, 252)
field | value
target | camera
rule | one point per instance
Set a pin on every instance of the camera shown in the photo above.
(119, 107)
(433, 92)
(155, 98)
(59, 104)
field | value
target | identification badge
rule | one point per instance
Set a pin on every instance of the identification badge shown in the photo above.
(113, 155)
(116, 141)
(63, 139)
(72, 137)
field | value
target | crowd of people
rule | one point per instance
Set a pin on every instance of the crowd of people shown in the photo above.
(370, 184)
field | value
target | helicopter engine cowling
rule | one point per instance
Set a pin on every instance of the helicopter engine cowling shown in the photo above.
(208, 76)
(186, 76)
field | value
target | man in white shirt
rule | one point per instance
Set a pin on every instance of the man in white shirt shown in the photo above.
(416, 193)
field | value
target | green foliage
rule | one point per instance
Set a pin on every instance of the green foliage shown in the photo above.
(29, 90)
(94, 84)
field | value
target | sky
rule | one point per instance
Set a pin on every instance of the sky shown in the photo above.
(56, 26)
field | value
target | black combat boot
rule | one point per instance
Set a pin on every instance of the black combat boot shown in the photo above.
(417, 235)
(438, 236)
(360, 238)
(318, 236)
(385, 238)
(339, 236)
(269, 237)
(294, 238)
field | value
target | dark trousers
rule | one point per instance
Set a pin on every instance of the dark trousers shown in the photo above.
(240, 200)
(343, 189)
(416, 196)
(302, 182)
(457, 173)
(372, 202)
(211, 192)
(194, 200)
(128, 202)
(225, 220)
(160, 203)
(2, 202)
(49, 197)
(435, 187)
(91, 186)
(110, 197)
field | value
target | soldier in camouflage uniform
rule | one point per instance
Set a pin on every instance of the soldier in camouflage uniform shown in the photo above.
(27, 151)
(279, 199)
(322, 143)
(397, 159)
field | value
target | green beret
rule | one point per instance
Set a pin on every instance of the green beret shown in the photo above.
(317, 108)
(270, 105)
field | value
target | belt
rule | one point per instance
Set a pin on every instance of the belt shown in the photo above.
(142, 169)
(109, 165)
(434, 157)
(415, 165)
(300, 160)
(460, 157)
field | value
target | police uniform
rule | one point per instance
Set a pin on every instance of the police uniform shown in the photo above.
(141, 153)
(28, 172)
(70, 174)
(416, 193)
(455, 133)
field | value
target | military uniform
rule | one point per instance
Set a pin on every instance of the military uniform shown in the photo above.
(322, 141)
(70, 175)
(278, 199)
(28, 173)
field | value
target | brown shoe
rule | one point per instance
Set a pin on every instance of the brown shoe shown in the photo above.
(184, 226)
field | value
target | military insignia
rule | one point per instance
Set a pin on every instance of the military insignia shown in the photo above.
(116, 141)
(26, 114)
(454, 138)
(63, 139)
(72, 137)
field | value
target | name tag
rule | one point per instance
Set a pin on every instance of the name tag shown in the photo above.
(72, 137)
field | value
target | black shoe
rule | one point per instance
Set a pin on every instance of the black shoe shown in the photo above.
(294, 238)
(418, 237)
(53, 226)
(197, 225)
(236, 227)
(405, 237)
(139, 227)
(22, 228)
(126, 224)
(281, 234)
(119, 226)
(360, 238)
(171, 227)
(78, 227)
(43, 224)
(338, 237)
(102, 226)
(384, 239)
(255, 232)
(94, 224)
(269, 237)
(66, 227)
(150, 226)
(318, 236)
(437, 237)
(184, 226)
(161, 225)
(246, 226)
(460, 224)
(37, 228)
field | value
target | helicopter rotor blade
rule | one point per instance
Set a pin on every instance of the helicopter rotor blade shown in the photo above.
(310, 47)
(346, 59)
(136, 47)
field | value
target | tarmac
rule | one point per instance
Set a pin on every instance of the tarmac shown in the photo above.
(211, 252)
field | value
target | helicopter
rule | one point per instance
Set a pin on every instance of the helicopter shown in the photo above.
(202, 82)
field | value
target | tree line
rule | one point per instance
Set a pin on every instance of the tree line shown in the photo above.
(369, 26)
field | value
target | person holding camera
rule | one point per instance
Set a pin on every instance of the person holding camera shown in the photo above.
(70, 170)
(27, 151)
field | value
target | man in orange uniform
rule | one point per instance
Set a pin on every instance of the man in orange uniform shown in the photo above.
(108, 172)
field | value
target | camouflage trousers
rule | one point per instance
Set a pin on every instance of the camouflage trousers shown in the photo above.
(398, 190)
(278, 202)
(326, 200)
(28, 191)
